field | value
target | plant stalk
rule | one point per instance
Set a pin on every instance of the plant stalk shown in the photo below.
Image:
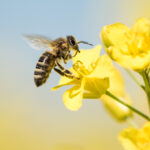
(147, 86)
(127, 105)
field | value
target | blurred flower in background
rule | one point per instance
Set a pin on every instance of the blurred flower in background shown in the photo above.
(136, 139)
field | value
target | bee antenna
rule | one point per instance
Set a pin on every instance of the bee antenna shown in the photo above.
(84, 42)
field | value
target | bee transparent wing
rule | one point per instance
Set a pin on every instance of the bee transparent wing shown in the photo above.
(38, 42)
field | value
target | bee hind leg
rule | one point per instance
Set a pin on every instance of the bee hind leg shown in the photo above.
(60, 66)
(65, 72)
(62, 69)
(59, 71)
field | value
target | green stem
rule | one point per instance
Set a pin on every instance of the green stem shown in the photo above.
(127, 105)
(147, 86)
(135, 79)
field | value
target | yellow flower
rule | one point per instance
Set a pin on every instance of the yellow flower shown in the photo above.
(128, 47)
(94, 72)
(90, 84)
(136, 139)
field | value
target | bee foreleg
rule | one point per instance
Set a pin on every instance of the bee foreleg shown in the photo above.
(67, 58)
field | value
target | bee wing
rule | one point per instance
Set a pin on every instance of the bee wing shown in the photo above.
(38, 42)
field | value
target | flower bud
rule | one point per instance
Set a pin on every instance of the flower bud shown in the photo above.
(118, 111)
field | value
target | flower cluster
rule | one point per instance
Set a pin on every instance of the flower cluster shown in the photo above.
(96, 75)
(130, 48)
(97, 78)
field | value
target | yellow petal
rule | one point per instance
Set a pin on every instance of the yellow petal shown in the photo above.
(95, 86)
(73, 98)
(104, 68)
(72, 82)
(115, 34)
(115, 78)
(137, 63)
(142, 25)
(90, 95)
(87, 57)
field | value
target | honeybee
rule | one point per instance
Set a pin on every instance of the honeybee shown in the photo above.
(56, 52)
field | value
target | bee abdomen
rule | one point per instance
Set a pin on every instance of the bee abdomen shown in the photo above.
(43, 68)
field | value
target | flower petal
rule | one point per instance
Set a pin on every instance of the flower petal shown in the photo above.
(87, 57)
(72, 82)
(90, 95)
(104, 68)
(137, 63)
(142, 25)
(95, 86)
(115, 34)
(73, 98)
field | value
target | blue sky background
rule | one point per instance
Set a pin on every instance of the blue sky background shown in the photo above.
(37, 113)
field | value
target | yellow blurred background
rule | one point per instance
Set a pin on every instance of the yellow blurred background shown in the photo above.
(35, 118)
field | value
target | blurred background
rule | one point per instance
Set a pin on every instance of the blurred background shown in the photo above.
(35, 118)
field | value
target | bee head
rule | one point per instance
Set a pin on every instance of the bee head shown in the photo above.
(73, 44)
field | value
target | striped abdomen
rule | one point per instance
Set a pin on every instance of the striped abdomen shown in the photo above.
(43, 68)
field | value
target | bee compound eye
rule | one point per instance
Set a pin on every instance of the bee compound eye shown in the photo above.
(72, 42)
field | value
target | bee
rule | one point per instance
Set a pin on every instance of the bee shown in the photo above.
(56, 52)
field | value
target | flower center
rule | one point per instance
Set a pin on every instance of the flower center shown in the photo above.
(137, 44)
(82, 70)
